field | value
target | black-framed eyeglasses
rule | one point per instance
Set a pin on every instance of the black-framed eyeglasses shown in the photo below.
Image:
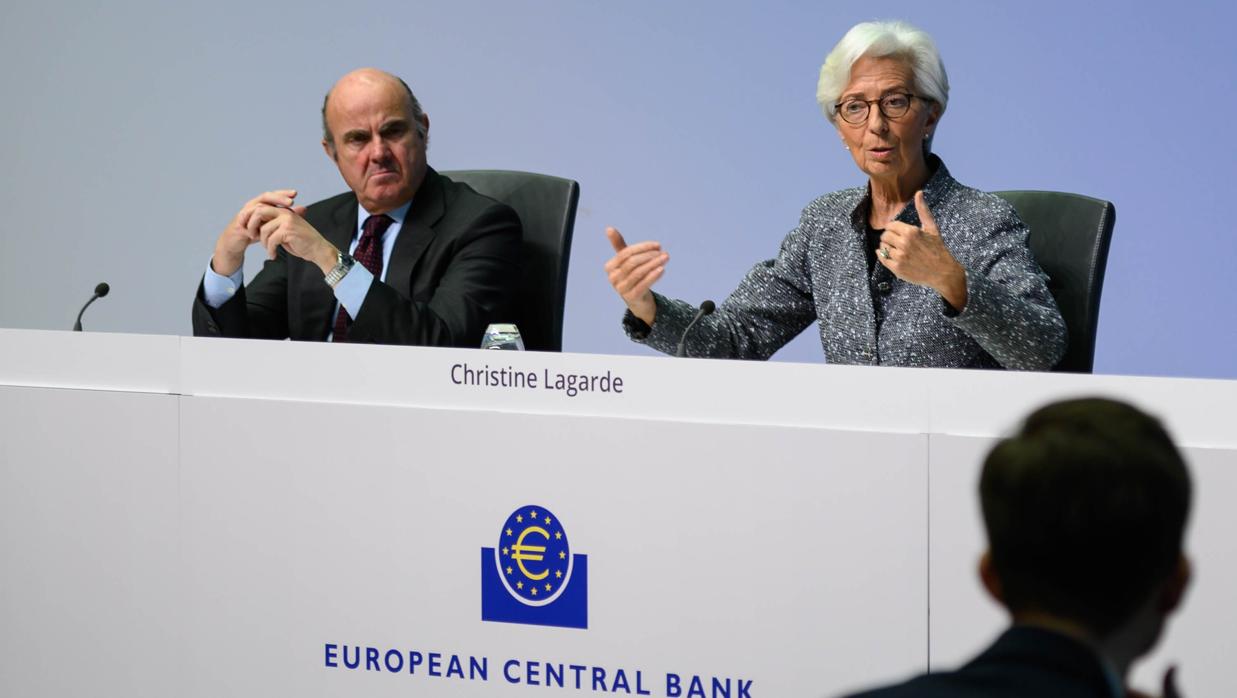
(893, 106)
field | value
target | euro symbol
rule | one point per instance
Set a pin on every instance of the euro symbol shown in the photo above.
(521, 552)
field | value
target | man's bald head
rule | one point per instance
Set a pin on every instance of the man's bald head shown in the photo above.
(370, 77)
(375, 132)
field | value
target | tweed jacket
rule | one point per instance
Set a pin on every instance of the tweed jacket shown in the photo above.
(821, 273)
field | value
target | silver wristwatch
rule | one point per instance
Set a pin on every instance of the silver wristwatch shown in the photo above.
(343, 264)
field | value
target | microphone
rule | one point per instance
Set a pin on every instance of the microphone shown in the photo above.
(99, 291)
(706, 308)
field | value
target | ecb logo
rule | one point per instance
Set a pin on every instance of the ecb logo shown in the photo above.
(531, 575)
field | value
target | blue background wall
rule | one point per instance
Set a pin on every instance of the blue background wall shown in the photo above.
(135, 130)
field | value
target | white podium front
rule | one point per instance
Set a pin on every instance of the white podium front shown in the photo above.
(212, 517)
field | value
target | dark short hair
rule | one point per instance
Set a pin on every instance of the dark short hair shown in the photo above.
(414, 106)
(1085, 509)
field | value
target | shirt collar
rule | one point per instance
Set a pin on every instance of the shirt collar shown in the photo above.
(398, 215)
(934, 191)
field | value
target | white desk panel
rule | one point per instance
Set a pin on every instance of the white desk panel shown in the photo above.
(792, 557)
(90, 360)
(962, 402)
(990, 403)
(88, 544)
(697, 390)
(302, 534)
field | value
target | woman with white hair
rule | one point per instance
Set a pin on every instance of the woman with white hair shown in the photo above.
(911, 269)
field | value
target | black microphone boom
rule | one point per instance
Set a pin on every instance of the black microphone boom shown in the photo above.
(706, 308)
(99, 291)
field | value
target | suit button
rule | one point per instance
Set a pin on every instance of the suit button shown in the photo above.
(884, 287)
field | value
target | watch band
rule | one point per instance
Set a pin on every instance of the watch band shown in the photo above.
(343, 264)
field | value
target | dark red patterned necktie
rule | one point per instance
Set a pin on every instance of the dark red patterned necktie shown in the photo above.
(369, 253)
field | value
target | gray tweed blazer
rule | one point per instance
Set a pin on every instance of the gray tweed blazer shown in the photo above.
(821, 273)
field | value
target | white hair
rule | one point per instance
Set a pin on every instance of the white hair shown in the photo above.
(880, 40)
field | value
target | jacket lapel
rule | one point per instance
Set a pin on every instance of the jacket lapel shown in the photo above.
(863, 347)
(428, 206)
(934, 191)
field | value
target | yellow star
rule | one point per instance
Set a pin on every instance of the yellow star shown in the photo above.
(547, 586)
(558, 535)
(558, 574)
(562, 554)
(505, 552)
(519, 519)
(533, 514)
(508, 531)
(519, 585)
(547, 521)
(508, 571)
(534, 590)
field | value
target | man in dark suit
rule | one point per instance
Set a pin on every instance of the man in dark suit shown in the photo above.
(406, 257)
(1085, 509)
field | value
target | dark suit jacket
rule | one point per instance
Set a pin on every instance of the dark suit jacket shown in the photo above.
(1023, 662)
(454, 269)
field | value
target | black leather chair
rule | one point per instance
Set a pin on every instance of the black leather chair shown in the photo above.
(547, 208)
(1069, 237)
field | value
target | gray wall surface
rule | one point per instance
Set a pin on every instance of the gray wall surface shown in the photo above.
(137, 129)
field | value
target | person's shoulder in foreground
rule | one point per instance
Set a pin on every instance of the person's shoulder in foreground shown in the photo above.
(1085, 508)
(1024, 662)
